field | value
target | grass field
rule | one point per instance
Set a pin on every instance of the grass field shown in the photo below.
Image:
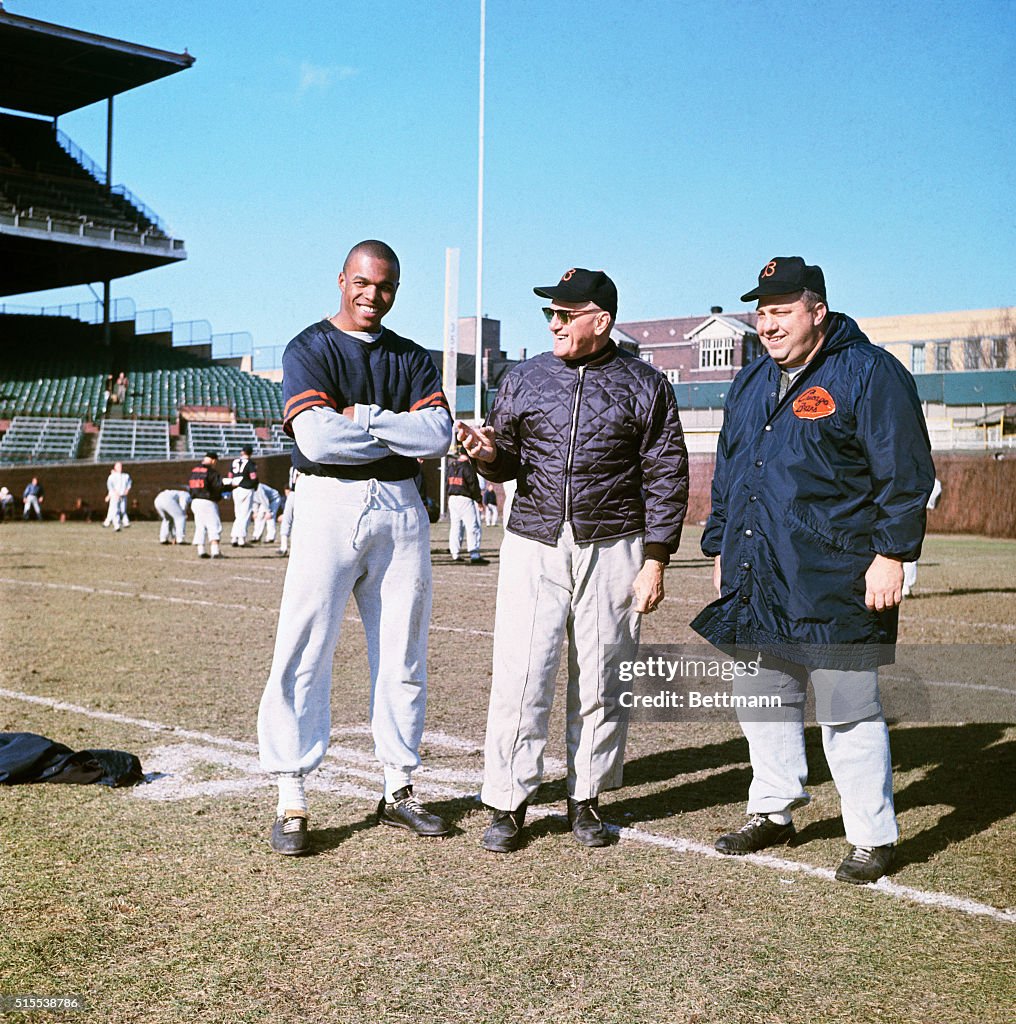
(164, 903)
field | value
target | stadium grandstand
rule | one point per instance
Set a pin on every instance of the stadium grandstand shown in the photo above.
(99, 381)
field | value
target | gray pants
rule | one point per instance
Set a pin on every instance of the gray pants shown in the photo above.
(464, 518)
(370, 540)
(854, 737)
(582, 593)
(172, 509)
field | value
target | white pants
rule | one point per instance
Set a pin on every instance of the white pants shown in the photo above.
(167, 504)
(243, 499)
(854, 737)
(465, 518)
(116, 513)
(545, 594)
(264, 525)
(207, 522)
(286, 529)
(909, 577)
(490, 515)
(32, 505)
(369, 539)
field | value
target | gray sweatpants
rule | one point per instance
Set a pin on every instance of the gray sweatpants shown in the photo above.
(855, 740)
(369, 539)
(545, 594)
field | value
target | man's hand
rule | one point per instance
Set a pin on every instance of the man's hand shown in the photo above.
(883, 583)
(717, 576)
(648, 586)
(478, 441)
(349, 412)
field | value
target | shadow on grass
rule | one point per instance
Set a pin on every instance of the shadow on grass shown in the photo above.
(326, 839)
(962, 592)
(968, 768)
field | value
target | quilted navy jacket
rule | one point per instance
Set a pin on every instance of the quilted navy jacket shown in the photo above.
(805, 493)
(597, 443)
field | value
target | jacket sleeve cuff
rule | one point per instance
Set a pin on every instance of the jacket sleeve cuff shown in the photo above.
(657, 552)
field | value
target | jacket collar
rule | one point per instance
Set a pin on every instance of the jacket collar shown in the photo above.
(597, 358)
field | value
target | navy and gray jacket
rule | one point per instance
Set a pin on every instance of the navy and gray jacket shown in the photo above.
(805, 493)
(594, 442)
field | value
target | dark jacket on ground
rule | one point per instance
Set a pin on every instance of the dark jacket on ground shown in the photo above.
(806, 492)
(596, 442)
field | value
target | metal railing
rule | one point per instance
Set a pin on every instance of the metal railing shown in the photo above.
(80, 157)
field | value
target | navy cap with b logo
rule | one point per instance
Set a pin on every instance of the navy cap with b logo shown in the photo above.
(578, 285)
(783, 275)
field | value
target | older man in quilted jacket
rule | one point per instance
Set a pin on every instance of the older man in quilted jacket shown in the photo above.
(592, 438)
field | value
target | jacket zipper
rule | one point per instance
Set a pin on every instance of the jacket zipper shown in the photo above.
(571, 447)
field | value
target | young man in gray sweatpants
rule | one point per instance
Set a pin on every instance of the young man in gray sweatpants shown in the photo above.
(362, 404)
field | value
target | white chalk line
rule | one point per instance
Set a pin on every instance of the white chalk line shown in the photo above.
(106, 592)
(961, 622)
(331, 782)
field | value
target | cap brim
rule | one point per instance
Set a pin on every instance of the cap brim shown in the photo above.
(547, 293)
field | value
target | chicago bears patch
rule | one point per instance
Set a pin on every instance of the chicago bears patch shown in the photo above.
(814, 404)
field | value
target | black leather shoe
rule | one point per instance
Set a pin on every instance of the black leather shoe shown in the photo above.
(504, 833)
(756, 834)
(405, 811)
(586, 824)
(865, 864)
(290, 836)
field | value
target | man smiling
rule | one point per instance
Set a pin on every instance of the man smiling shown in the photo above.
(362, 404)
(823, 471)
(592, 436)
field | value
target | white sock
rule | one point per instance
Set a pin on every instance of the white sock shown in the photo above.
(395, 780)
(779, 818)
(291, 794)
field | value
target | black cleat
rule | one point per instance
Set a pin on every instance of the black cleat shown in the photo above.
(865, 864)
(586, 824)
(405, 811)
(756, 834)
(289, 834)
(504, 833)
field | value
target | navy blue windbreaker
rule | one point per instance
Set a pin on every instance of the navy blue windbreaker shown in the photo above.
(805, 493)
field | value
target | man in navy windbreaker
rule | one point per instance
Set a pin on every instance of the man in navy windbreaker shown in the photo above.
(823, 472)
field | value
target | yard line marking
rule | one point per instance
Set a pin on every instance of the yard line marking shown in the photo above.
(917, 620)
(104, 592)
(329, 781)
(196, 583)
(904, 892)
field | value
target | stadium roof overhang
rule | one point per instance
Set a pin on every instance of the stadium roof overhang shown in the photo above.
(49, 69)
(36, 260)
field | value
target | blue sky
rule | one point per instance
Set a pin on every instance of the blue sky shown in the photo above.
(678, 145)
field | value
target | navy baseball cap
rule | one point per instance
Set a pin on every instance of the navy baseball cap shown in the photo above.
(783, 275)
(212, 455)
(247, 450)
(578, 285)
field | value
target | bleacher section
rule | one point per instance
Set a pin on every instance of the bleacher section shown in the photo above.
(224, 438)
(132, 439)
(162, 380)
(41, 439)
(40, 179)
(59, 374)
(280, 439)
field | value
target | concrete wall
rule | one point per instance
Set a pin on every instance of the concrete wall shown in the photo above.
(64, 484)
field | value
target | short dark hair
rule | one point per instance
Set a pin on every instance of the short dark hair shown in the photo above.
(372, 247)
